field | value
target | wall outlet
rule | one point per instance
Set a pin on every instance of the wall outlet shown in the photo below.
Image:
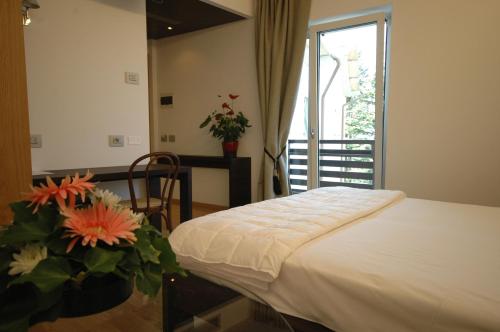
(171, 138)
(164, 138)
(134, 140)
(116, 141)
(36, 141)
(132, 78)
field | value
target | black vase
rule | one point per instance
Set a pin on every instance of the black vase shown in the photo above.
(96, 295)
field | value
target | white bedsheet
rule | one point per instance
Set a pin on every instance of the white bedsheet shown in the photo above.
(252, 242)
(417, 265)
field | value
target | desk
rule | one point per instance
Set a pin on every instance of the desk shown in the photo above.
(240, 174)
(115, 173)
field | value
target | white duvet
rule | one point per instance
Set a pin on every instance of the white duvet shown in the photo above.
(416, 265)
(251, 243)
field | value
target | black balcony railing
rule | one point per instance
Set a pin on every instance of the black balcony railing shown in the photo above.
(341, 163)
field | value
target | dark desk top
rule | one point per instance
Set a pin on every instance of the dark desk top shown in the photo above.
(112, 173)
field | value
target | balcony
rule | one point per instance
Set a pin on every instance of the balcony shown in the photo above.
(347, 163)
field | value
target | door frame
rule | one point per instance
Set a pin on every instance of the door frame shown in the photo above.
(313, 130)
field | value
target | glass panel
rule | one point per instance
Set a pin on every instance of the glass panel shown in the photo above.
(198, 305)
(298, 136)
(346, 104)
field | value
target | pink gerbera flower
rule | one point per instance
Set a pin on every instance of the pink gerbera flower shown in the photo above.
(99, 222)
(76, 186)
(41, 195)
(68, 188)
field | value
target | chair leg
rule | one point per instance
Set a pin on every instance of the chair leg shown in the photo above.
(166, 218)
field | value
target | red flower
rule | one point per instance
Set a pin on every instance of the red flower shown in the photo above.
(230, 112)
(233, 97)
(226, 105)
(218, 116)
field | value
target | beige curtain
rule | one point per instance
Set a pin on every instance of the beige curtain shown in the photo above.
(281, 32)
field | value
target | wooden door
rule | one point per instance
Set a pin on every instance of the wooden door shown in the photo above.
(15, 150)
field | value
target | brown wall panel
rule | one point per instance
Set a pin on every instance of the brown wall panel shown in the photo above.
(15, 150)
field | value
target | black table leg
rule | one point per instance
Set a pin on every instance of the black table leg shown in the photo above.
(168, 299)
(240, 182)
(186, 197)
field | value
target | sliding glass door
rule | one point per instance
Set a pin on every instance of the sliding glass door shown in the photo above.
(337, 130)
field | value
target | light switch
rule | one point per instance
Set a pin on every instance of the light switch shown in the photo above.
(134, 140)
(36, 141)
(167, 101)
(116, 141)
(171, 138)
(132, 78)
(164, 138)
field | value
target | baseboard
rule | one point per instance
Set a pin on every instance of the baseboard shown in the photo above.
(204, 205)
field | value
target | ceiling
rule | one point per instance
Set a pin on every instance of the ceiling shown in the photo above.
(183, 16)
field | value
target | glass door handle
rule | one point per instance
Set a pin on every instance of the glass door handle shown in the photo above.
(313, 133)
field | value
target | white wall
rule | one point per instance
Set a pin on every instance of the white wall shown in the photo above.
(443, 115)
(77, 52)
(195, 68)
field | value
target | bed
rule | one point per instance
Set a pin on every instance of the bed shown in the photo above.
(371, 261)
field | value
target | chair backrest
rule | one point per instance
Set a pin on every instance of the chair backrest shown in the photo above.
(170, 167)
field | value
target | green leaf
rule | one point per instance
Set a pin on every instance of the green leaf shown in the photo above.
(57, 245)
(47, 275)
(25, 232)
(131, 262)
(78, 253)
(5, 259)
(120, 272)
(206, 122)
(146, 250)
(22, 212)
(48, 215)
(29, 228)
(168, 260)
(149, 282)
(151, 230)
(4, 282)
(102, 260)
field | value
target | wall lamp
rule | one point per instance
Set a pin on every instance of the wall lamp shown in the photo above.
(25, 8)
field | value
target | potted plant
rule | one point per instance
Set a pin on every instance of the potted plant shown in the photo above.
(73, 250)
(228, 126)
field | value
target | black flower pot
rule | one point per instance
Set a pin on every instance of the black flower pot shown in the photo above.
(95, 295)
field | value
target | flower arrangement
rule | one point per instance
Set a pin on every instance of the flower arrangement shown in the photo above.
(227, 125)
(63, 235)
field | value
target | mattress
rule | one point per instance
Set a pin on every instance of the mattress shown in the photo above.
(415, 265)
(252, 242)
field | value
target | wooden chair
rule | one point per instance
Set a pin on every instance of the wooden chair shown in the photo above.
(151, 205)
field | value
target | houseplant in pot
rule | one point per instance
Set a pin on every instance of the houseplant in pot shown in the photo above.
(227, 125)
(73, 250)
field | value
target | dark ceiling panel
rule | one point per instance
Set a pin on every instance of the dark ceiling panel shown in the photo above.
(183, 16)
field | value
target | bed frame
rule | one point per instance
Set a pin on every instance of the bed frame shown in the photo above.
(184, 297)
